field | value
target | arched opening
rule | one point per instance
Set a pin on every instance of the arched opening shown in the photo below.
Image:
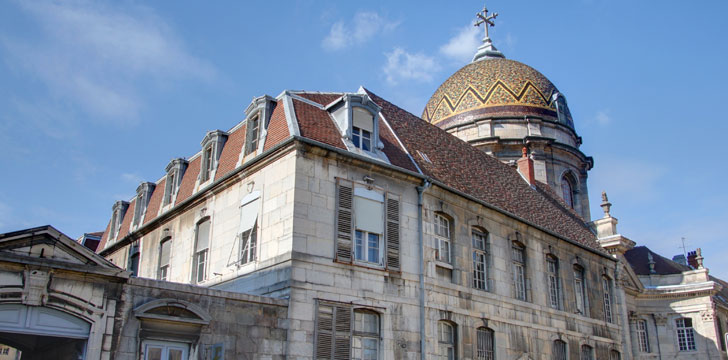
(568, 189)
(43, 333)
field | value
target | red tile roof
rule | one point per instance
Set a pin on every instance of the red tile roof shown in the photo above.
(155, 201)
(316, 124)
(124, 227)
(321, 98)
(277, 128)
(230, 152)
(188, 180)
(104, 237)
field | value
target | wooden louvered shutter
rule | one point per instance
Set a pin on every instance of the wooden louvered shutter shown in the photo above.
(333, 332)
(325, 332)
(393, 232)
(344, 220)
(342, 335)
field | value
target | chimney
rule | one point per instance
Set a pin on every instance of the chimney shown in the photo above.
(525, 167)
(693, 259)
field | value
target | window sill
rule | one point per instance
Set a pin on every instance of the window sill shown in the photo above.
(443, 264)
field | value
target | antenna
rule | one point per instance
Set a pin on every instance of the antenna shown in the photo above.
(685, 253)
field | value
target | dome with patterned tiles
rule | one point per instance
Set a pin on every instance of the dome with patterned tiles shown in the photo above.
(495, 87)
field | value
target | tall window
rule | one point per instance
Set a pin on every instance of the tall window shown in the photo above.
(199, 268)
(365, 340)
(248, 232)
(579, 289)
(559, 350)
(567, 189)
(369, 223)
(587, 352)
(607, 289)
(442, 235)
(552, 274)
(169, 188)
(485, 343)
(480, 261)
(642, 339)
(446, 340)
(207, 163)
(133, 265)
(519, 270)
(252, 135)
(165, 248)
(685, 336)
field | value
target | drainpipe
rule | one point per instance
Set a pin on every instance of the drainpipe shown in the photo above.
(420, 237)
(657, 336)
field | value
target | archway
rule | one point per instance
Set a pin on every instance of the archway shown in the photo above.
(43, 333)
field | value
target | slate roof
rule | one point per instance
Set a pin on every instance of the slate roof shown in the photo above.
(638, 260)
(453, 163)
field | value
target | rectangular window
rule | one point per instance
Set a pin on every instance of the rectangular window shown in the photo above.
(138, 209)
(519, 271)
(552, 273)
(446, 340)
(165, 350)
(369, 225)
(253, 131)
(607, 289)
(480, 264)
(579, 289)
(642, 339)
(685, 336)
(133, 265)
(165, 248)
(365, 340)
(207, 162)
(201, 251)
(442, 236)
(361, 138)
(485, 344)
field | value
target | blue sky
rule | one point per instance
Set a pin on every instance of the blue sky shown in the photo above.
(98, 96)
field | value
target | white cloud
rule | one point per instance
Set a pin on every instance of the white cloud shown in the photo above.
(402, 65)
(132, 178)
(364, 26)
(602, 117)
(463, 45)
(93, 55)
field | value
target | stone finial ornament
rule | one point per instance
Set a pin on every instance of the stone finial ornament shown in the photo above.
(651, 263)
(606, 205)
(699, 258)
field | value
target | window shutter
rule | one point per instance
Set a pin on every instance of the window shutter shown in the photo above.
(393, 230)
(325, 332)
(342, 336)
(344, 220)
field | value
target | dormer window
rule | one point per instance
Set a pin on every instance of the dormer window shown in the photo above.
(144, 193)
(253, 133)
(175, 170)
(562, 110)
(212, 146)
(117, 215)
(258, 115)
(356, 118)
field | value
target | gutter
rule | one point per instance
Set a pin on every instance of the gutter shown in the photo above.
(421, 242)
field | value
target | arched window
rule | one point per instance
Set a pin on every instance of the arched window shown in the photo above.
(607, 290)
(365, 339)
(165, 250)
(554, 283)
(559, 350)
(579, 289)
(443, 238)
(200, 259)
(446, 336)
(480, 259)
(615, 355)
(485, 343)
(587, 352)
(568, 189)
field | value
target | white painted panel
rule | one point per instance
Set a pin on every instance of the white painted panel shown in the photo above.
(42, 321)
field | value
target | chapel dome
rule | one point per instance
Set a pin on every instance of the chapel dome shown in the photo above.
(495, 87)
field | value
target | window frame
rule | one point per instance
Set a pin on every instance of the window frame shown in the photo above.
(201, 258)
(363, 335)
(361, 249)
(685, 335)
(643, 336)
(208, 158)
(443, 237)
(252, 134)
(480, 258)
(518, 268)
(485, 343)
(607, 299)
(448, 345)
(586, 352)
(563, 346)
(165, 346)
(553, 281)
(580, 290)
(163, 268)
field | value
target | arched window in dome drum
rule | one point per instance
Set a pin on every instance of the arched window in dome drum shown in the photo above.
(567, 189)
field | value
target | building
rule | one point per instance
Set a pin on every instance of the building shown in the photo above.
(339, 226)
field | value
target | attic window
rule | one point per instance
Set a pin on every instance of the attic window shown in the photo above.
(253, 134)
(175, 171)
(212, 146)
(362, 129)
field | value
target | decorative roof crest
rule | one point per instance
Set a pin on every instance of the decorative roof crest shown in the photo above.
(487, 50)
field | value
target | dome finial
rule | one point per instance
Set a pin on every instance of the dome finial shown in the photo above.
(487, 50)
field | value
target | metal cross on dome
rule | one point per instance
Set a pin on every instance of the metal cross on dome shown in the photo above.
(484, 18)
